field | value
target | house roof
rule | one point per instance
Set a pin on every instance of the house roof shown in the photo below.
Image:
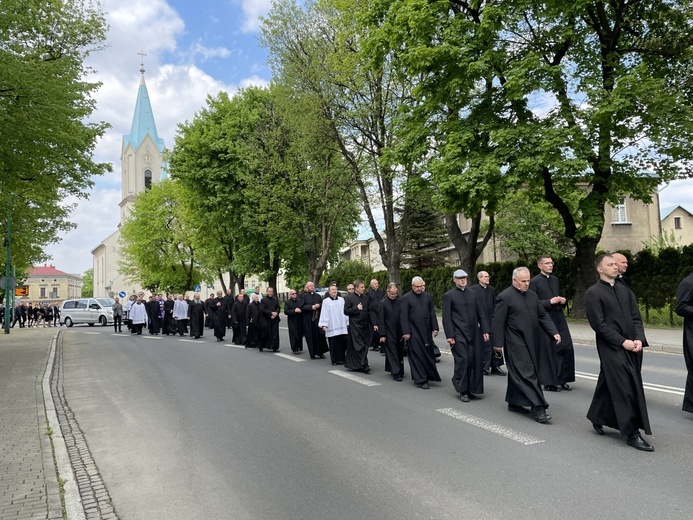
(665, 212)
(143, 121)
(46, 270)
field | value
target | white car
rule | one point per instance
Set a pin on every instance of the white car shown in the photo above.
(87, 310)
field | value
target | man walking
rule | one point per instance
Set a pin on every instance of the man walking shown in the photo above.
(684, 308)
(269, 308)
(292, 310)
(486, 293)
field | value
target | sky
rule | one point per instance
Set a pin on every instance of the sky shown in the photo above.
(193, 49)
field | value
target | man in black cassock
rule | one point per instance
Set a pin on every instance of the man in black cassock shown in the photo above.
(196, 316)
(491, 360)
(466, 328)
(292, 309)
(419, 326)
(228, 303)
(360, 328)
(211, 310)
(269, 323)
(218, 313)
(619, 398)
(684, 308)
(310, 304)
(169, 322)
(253, 320)
(375, 294)
(238, 317)
(153, 310)
(390, 331)
(556, 362)
(516, 327)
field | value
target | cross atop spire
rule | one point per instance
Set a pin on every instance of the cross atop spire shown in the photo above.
(141, 54)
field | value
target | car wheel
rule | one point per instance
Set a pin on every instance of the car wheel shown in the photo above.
(103, 321)
(68, 322)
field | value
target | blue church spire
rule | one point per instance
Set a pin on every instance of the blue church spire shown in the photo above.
(143, 121)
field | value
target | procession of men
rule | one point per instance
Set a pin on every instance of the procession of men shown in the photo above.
(523, 328)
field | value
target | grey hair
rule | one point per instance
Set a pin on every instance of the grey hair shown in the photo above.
(416, 279)
(519, 270)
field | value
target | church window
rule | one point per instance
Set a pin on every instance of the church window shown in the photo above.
(147, 179)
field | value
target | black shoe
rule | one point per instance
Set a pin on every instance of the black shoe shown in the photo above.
(261, 349)
(277, 350)
(424, 386)
(539, 414)
(312, 357)
(322, 356)
(296, 352)
(638, 442)
(566, 386)
(398, 378)
(366, 370)
(464, 398)
(517, 408)
(598, 428)
(498, 371)
(551, 388)
(487, 372)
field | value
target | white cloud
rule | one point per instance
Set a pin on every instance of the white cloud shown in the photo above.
(255, 81)
(252, 11)
(677, 193)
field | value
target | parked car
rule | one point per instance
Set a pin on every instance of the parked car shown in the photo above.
(87, 310)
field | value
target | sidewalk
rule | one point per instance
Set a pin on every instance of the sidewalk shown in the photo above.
(28, 477)
(662, 340)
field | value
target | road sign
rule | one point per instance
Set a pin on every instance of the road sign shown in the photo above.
(197, 288)
(122, 294)
(3, 281)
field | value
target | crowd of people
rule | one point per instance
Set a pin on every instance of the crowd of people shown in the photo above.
(26, 314)
(523, 329)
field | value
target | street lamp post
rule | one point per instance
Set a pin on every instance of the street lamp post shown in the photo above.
(8, 283)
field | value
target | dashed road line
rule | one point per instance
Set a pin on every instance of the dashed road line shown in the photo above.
(93, 333)
(508, 433)
(151, 337)
(353, 377)
(233, 346)
(289, 357)
(191, 341)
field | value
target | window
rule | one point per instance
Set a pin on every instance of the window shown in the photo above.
(677, 222)
(147, 179)
(42, 293)
(54, 293)
(81, 304)
(620, 216)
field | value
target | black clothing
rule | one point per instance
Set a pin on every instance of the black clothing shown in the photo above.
(374, 298)
(390, 328)
(295, 323)
(619, 398)
(196, 318)
(418, 319)
(684, 308)
(487, 295)
(170, 326)
(465, 321)
(253, 319)
(517, 325)
(315, 337)
(360, 330)
(556, 361)
(239, 320)
(152, 308)
(211, 312)
(228, 305)
(269, 328)
(217, 314)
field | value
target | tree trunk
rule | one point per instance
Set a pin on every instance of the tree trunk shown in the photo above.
(468, 247)
(240, 282)
(584, 274)
(223, 283)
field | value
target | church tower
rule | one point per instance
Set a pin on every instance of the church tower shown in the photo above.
(141, 163)
(142, 152)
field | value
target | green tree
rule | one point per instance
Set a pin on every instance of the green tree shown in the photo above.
(156, 242)
(46, 143)
(88, 283)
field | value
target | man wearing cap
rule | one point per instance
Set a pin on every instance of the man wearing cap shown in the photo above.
(465, 325)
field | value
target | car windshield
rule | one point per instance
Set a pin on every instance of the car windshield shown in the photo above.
(106, 302)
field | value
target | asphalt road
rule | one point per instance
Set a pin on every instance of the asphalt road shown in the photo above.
(204, 430)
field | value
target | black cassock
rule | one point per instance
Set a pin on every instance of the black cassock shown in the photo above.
(684, 308)
(269, 327)
(253, 319)
(418, 319)
(196, 318)
(360, 331)
(374, 297)
(218, 314)
(295, 324)
(209, 306)
(556, 362)
(389, 326)
(238, 312)
(315, 337)
(619, 398)
(517, 325)
(153, 311)
(170, 326)
(465, 321)
(487, 295)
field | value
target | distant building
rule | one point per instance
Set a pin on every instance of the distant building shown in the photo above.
(48, 284)
(141, 162)
(679, 221)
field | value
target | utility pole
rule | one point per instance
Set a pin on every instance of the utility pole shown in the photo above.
(8, 284)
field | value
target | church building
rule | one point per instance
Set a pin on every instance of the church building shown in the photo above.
(141, 163)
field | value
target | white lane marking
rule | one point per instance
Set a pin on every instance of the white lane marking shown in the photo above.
(93, 333)
(233, 346)
(292, 357)
(513, 435)
(150, 337)
(352, 377)
(120, 334)
(191, 340)
(647, 386)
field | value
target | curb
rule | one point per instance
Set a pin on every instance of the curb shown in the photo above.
(669, 349)
(73, 501)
